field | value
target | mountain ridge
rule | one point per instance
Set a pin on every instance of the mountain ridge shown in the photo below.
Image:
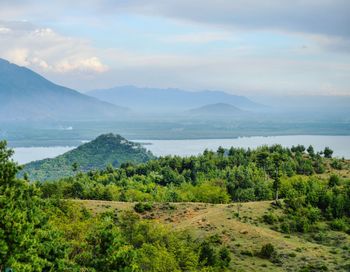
(26, 95)
(169, 99)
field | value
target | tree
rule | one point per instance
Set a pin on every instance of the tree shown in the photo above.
(277, 162)
(26, 241)
(298, 149)
(220, 151)
(261, 160)
(311, 151)
(75, 167)
(328, 152)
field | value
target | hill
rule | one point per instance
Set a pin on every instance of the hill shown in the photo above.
(244, 234)
(104, 150)
(216, 110)
(25, 95)
(152, 99)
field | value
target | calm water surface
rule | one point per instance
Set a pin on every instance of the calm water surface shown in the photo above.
(27, 154)
(340, 145)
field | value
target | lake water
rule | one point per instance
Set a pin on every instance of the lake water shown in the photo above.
(27, 154)
(340, 145)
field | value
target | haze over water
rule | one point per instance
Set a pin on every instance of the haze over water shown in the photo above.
(339, 144)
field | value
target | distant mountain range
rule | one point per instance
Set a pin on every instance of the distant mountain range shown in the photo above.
(25, 95)
(97, 154)
(216, 110)
(152, 100)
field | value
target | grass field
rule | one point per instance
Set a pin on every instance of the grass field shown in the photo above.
(241, 228)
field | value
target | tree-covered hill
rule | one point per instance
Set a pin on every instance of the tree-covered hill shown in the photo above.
(107, 149)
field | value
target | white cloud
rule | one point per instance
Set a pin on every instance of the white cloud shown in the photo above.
(18, 56)
(4, 30)
(89, 64)
(47, 51)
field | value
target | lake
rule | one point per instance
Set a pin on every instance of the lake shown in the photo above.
(340, 145)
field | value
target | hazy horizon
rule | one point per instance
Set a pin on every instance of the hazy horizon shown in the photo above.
(243, 47)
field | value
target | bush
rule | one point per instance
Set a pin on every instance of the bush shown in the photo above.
(339, 224)
(285, 227)
(334, 180)
(225, 258)
(267, 251)
(270, 218)
(337, 164)
(143, 207)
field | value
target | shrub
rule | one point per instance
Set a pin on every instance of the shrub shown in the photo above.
(225, 258)
(334, 180)
(337, 164)
(285, 227)
(269, 218)
(267, 251)
(339, 224)
(142, 207)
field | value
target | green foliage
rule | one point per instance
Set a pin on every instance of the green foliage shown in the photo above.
(328, 152)
(308, 201)
(143, 207)
(337, 164)
(270, 218)
(334, 180)
(267, 251)
(27, 241)
(215, 177)
(340, 224)
(311, 151)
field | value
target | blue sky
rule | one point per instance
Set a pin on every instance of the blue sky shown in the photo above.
(246, 47)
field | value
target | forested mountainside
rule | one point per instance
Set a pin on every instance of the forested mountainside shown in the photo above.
(105, 150)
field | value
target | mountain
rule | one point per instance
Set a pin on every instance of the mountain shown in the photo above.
(150, 99)
(97, 154)
(215, 110)
(25, 95)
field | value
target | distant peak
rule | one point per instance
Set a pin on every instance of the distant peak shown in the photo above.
(4, 61)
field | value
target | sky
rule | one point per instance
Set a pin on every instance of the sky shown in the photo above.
(246, 47)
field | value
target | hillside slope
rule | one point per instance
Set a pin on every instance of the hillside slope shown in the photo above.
(25, 95)
(244, 234)
(97, 154)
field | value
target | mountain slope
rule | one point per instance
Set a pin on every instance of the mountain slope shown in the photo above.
(151, 99)
(97, 154)
(25, 95)
(218, 109)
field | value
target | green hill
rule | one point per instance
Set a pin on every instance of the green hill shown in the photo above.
(104, 150)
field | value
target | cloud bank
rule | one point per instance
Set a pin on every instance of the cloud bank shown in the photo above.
(46, 50)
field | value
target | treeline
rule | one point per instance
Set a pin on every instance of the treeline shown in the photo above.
(216, 177)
